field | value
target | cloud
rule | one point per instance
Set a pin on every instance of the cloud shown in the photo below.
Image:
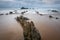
(51, 1)
(13, 4)
(6, 0)
(42, 1)
(29, 3)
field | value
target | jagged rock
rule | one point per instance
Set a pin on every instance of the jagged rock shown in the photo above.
(25, 18)
(10, 12)
(24, 12)
(29, 30)
(35, 33)
(38, 13)
(54, 11)
(1, 14)
(18, 19)
(23, 8)
(50, 16)
(21, 19)
(57, 18)
(41, 14)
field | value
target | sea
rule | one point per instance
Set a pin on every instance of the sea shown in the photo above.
(43, 10)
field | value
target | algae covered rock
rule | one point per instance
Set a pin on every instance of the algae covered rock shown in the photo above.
(29, 30)
(35, 33)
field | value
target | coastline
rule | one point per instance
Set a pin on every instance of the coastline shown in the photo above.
(48, 27)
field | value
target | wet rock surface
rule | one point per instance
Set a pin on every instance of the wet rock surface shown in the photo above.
(29, 30)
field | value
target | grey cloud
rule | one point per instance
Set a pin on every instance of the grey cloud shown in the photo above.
(51, 1)
(29, 3)
(6, 0)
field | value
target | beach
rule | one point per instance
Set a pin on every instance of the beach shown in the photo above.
(49, 28)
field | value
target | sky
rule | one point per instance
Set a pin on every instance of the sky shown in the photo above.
(29, 3)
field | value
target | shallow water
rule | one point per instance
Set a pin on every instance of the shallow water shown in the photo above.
(10, 29)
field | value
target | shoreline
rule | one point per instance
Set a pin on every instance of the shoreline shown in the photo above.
(48, 27)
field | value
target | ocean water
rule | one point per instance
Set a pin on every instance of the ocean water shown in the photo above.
(41, 10)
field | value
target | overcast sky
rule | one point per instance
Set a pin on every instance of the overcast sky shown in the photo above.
(29, 3)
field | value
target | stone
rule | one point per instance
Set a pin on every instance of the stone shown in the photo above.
(50, 16)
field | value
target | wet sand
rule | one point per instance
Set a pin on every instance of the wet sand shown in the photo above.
(49, 28)
(10, 29)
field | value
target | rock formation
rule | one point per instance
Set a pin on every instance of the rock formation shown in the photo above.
(29, 30)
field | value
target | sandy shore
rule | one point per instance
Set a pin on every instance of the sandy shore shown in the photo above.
(10, 29)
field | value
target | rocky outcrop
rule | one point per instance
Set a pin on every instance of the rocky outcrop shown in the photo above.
(1, 14)
(39, 13)
(29, 30)
(54, 11)
(24, 12)
(10, 12)
(23, 8)
(50, 16)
